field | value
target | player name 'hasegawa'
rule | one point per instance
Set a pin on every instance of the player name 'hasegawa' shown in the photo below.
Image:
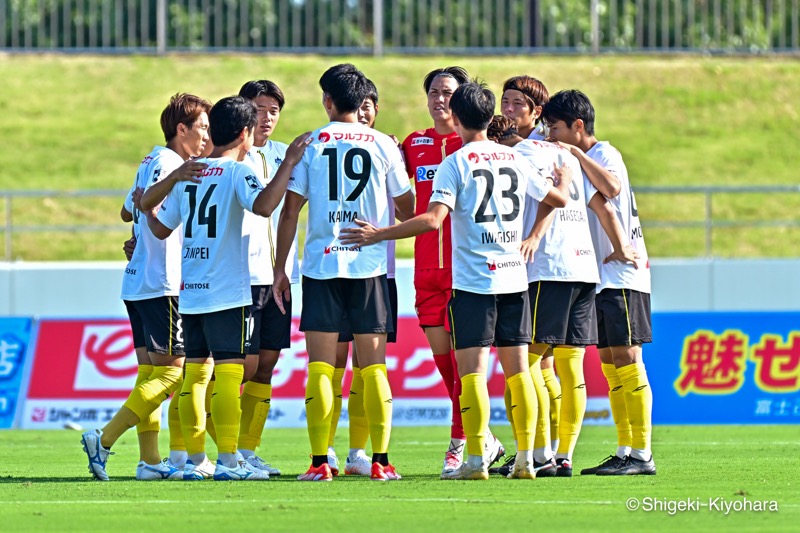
(571, 215)
(489, 237)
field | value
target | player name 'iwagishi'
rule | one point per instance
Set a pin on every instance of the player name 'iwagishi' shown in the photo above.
(488, 237)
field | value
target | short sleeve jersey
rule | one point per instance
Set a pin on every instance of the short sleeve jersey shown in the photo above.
(424, 151)
(155, 267)
(485, 185)
(617, 275)
(346, 174)
(214, 257)
(566, 252)
(261, 231)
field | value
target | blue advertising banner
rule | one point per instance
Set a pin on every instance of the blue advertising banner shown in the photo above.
(725, 368)
(15, 334)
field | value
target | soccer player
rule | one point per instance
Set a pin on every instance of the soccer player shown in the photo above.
(150, 292)
(562, 281)
(623, 295)
(215, 292)
(271, 329)
(522, 102)
(424, 151)
(346, 173)
(523, 99)
(483, 187)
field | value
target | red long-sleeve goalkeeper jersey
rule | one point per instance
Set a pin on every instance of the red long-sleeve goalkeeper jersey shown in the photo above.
(424, 150)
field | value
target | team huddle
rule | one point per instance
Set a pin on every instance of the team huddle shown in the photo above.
(527, 238)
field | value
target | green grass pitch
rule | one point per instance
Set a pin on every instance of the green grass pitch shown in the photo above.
(45, 486)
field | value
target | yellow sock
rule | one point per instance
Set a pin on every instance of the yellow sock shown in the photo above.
(226, 408)
(475, 411)
(542, 436)
(359, 430)
(509, 414)
(524, 408)
(554, 395)
(255, 408)
(569, 364)
(378, 406)
(338, 377)
(192, 406)
(616, 397)
(639, 403)
(151, 393)
(319, 405)
(147, 429)
(174, 420)
(210, 430)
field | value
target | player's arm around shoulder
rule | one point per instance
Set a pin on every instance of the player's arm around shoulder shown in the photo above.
(558, 193)
(600, 175)
(163, 222)
(155, 194)
(623, 251)
(269, 198)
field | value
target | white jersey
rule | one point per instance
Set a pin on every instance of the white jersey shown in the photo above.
(346, 173)
(391, 246)
(539, 132)
(155, 267)
(262, 231)
(485, 185)
(214, 259)
(618, 275)
(566, 252)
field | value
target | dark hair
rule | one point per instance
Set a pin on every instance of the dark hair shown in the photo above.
(533, 90)
(229, 117)
(501, 128)
(346, 86)
(457, 73)
(183, 109)
(372, 92)
(569, 106)
(255, 88)
(473, 104)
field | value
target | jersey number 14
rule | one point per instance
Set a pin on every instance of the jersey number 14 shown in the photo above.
(206, 216)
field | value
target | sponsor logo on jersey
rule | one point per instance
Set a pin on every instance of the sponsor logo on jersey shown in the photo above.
(156, 174)
(426, 173)
(194, 286)
(252, 181)
(278, 160)
(333, 249)
(364, 137)
(493, 265)
(146, 160)
(213, 171)
(421, 140)
(131, 271)
(473, 158)
(324, 137)
(581, 253)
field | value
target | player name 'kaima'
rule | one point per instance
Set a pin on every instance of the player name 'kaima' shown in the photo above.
(342, 216)
(488, 237)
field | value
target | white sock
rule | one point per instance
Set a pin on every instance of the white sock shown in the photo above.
(247, 453)
(643, 454)
(197, 458)
(354, 453)
(524, 456)
(567, 456)
(622, 451)
(457, 445)
(475, 461)
(228, 459)
(554, 445)
(331, 451)
(178, 457)
(542, 455)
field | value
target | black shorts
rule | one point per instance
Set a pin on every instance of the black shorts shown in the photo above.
(161, 325)
(489, 319)
(137, 328)
(272, 330)
(345, 335)
(364, 302)
(225, 334)
(563, 312)
(623, 318)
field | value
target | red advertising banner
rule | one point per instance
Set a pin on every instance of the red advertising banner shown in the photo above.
(84, 369)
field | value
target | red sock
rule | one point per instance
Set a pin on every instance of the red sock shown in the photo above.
(446, 368)
(457, 429)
